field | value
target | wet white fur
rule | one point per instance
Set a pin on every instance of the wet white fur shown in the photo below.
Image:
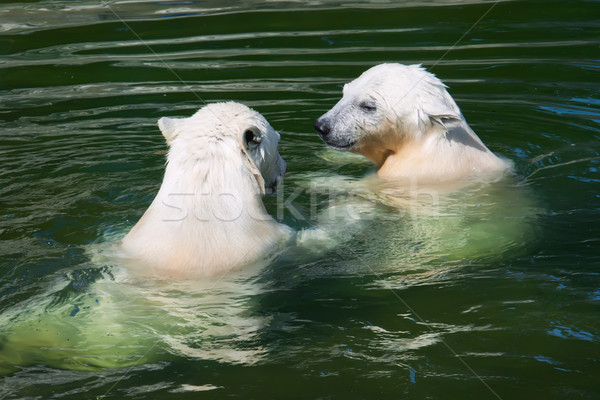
(208, 217)
(413, 129)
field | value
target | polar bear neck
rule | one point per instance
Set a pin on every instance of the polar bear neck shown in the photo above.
(439, 155)
(213, 190)
(207, 221)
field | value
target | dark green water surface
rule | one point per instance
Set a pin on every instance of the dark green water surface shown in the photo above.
(382, 313)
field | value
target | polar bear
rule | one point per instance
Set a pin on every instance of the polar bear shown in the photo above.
(208, 217)
(450, 195)
(403, 119)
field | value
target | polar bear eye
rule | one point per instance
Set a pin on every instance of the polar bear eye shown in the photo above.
(368, 106)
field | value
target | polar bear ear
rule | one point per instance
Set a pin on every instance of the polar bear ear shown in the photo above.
(251, 138)
(249, 141)
(445, 120)
(168, 127)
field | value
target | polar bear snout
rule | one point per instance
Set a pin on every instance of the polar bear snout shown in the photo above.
(334, 135)
(323, 127)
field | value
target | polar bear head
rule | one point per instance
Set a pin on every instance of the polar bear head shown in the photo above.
(386, 106)
(219, 134)
(207, 216)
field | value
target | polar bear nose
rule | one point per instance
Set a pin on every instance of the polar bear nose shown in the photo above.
(322, 127)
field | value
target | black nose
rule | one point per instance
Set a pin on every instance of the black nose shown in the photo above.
(322, 127)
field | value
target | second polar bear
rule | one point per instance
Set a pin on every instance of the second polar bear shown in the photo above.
(208, 216)
(404, 120)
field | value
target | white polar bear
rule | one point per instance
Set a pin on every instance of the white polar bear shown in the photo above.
(208, 217)
(403, 119)
(433, 176)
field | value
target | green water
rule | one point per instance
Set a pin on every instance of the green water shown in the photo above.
(385, 308)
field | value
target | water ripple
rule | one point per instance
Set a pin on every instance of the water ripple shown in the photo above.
(82, 85)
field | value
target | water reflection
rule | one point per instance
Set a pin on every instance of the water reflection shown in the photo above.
(416, 228)
(93, 318)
